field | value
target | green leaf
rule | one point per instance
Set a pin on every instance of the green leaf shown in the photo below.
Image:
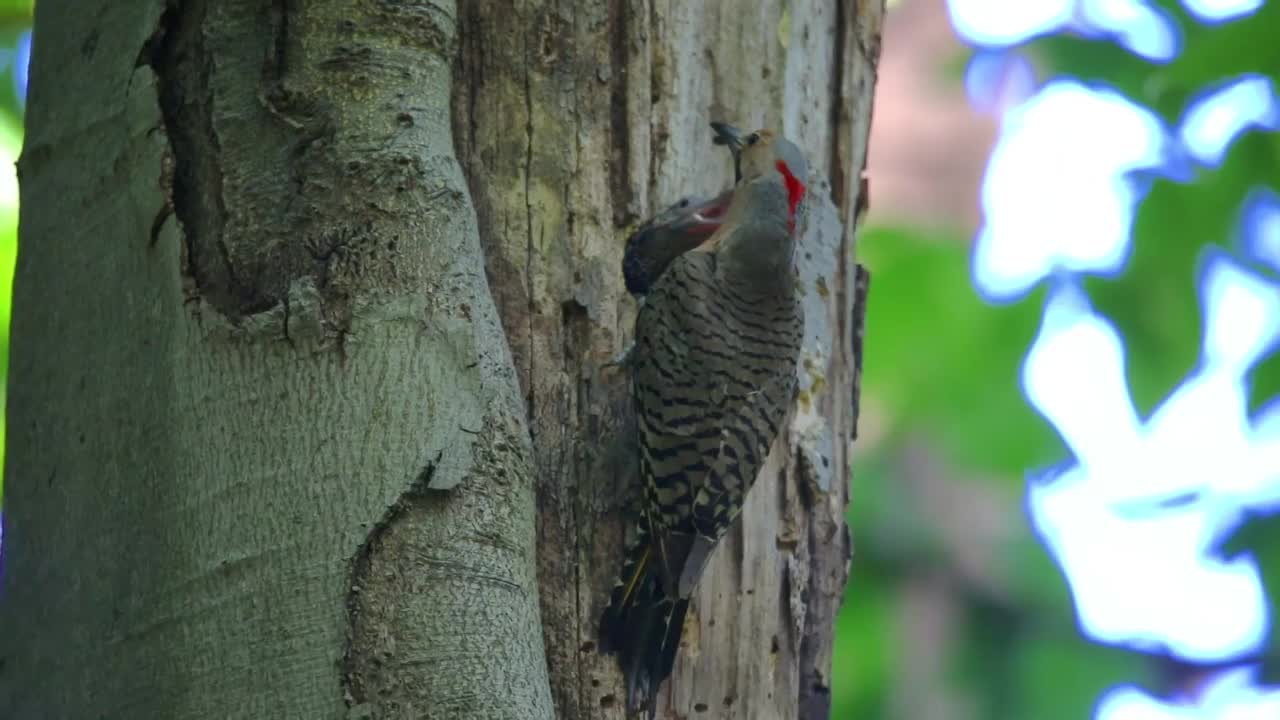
(1259, 536)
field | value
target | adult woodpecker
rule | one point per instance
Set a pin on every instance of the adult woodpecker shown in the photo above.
(713, 374)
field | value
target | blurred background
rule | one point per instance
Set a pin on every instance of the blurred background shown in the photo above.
(1069, 462)
(1068, 474)
(15, 54)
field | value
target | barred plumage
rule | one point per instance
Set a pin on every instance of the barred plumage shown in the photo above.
(713, 376)
(714, 373)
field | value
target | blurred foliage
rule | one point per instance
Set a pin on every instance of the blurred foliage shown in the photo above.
(922, 290)
(1258, 535)
(15, 23)
(942, 370)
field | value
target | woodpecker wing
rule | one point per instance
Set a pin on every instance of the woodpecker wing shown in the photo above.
(714, 378)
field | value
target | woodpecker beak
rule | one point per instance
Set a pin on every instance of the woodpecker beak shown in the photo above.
(730, 137)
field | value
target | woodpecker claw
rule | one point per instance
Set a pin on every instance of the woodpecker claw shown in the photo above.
(615, 367)
(621, 358)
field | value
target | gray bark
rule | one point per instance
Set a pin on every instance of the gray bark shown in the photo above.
(267, 456)
(269, 452)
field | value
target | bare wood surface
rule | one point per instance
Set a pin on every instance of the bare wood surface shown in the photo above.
(575, 121)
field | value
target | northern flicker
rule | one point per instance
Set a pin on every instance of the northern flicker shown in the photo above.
(676, 230)
(713, 374)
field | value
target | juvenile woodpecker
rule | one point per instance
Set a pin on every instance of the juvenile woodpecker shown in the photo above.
(676, 230)
(713, 375)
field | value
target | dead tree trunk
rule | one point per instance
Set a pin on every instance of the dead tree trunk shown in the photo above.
(574, 121)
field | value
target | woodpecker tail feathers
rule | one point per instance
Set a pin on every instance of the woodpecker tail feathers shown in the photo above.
(642, 624)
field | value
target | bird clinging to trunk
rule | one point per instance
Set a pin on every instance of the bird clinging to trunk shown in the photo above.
(713, 375)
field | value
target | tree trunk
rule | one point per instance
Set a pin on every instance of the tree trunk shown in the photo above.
(269, 453)
(574, 121)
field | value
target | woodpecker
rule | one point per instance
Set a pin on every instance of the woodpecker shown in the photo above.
(676, 230)
(713, 374)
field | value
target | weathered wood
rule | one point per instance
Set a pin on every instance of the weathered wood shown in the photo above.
(269, 430)
(574, 121)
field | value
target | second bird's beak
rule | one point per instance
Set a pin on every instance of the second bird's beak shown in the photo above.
(730, 137)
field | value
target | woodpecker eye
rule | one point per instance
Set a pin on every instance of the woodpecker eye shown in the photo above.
(753, 138)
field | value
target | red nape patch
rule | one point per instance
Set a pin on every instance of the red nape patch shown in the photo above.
(795, 191)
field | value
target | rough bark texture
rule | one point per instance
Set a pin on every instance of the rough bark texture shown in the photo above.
(575, 120)
(267, 455)
(268, 449)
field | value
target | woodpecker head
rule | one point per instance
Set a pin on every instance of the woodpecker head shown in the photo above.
(679, 228)
(769, 183)
(766, 154)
